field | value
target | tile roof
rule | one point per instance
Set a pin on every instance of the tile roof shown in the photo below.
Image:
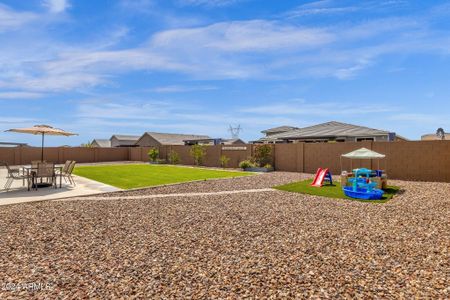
(279, 129)
(174, 138)
(329, 129)
(126, 137)
(104, 143)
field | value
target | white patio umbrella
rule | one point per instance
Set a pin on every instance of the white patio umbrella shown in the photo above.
(42, 130)
(363, 153)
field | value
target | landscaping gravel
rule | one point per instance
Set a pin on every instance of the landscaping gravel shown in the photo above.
(258, 245)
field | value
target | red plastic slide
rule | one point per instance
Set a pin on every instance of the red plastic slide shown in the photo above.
(320, 177)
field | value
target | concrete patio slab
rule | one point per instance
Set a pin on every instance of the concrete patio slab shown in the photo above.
(19, 193)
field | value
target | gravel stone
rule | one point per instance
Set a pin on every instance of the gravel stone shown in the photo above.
(272, 244)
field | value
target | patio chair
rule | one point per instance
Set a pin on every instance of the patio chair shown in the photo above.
(65, 168)
(68, 173)
(45, 171)
(14, 174)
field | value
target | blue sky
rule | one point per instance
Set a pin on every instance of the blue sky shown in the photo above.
(197, 66)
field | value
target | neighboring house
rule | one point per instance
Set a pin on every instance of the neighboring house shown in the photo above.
(330, 132)
(434, 137)
(155, 139)
(101, 143)
(118, 140)
(232, 142)
(217, 141)
(277, 130)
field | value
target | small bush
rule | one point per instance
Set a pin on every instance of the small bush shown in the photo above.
(198, 153)
(224, 160)
(246, 164)
(262, 155)
(153, 154)
(268, 166)
(174, 157)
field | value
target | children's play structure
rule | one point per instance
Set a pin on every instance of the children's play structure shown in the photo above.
(361, 186)
(322, 175)
(364, 183)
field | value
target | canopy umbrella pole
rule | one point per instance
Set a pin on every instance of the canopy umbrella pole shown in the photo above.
(42, 148)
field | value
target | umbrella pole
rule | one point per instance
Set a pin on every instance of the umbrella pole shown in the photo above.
(42, 148)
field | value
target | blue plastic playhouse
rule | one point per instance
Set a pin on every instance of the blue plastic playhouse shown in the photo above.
(362, 187)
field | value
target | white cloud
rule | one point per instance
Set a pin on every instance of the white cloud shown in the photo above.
(248, 36)
(152, 115)
(19, 95)
(350, 72)
(208, 3)
(330, 7)
(438, 120)
(310, 10)
(7, 122)
(148, 110)
(11, 19)
(253, 49)
(182, 89)
(323, 109)
(56, 6)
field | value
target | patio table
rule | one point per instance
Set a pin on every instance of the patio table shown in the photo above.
(32, 171)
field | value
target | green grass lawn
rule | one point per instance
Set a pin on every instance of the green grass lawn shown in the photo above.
(136, 176)
(331, 191)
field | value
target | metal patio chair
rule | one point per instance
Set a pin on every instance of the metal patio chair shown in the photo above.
(15, 174)
(45, 171)
(66, 171)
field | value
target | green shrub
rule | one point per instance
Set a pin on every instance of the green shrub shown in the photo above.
(198, 153)
(268, 166)
(262, 155)
(174, 157)
(224, 160)
(246, 164)
(153, 154)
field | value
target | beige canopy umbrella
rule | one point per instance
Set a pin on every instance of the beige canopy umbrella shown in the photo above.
(42, 130)
(363, 153)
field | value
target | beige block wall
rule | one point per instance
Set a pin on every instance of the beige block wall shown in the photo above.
(287, 157)
(185, 157)
(114, 154)
(328, 155)
(9, 155)
(236, 156)
(424, 161)
(134, 153)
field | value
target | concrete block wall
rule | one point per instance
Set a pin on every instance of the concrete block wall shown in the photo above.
(421, 160)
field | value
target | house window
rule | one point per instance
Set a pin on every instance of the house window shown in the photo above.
(364, 139)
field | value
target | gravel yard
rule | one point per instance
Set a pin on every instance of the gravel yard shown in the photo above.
(271, 244)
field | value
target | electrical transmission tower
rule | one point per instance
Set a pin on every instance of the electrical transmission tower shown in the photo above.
(234, 131)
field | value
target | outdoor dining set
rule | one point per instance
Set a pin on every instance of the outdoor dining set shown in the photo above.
(39, 174)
